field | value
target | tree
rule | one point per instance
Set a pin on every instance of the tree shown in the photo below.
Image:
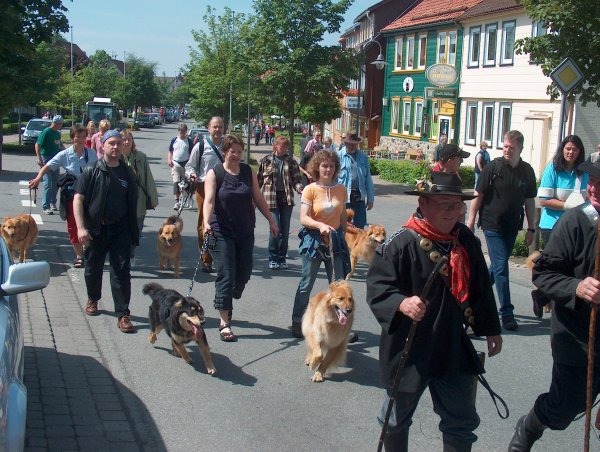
(138, 87)
(297, 71)
(21, 30)
(573, 31)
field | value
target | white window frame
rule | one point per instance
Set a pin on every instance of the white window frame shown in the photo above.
(488, 29)
(395, 115)
(410, 53)
(471, 121)
(506, 26)
(398, 56)
(422, 50)
(441, 41)
(485, 108)
(538, 29)
(474, 37)
(418, 118)
(452, 40)
(406, 115)
(502, 127)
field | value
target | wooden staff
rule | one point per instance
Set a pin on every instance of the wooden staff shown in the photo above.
(591, 343)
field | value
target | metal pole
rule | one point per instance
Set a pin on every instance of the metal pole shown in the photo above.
(72, 81)
(230, 106)
(360, 64)
(248, 128)
(124, 75)
(561, 124)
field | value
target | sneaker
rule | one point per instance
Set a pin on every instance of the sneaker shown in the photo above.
(509, 323)
(283, 265)
(352, 337)
(53, 207)
(49, 211)
(125, 324)
(273, 265)
(177, 205)
(297, 330)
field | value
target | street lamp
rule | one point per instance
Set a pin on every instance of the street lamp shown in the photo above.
(379, 64)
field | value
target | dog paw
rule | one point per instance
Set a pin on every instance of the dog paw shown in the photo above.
(189, 361)
(211, 371)
(317, 377)
(152, 338)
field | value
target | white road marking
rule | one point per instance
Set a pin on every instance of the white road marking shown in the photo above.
(28, 203)
(37, 218)
(24, 191)
(24, 182)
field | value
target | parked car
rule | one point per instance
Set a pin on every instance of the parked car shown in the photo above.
(197, 133)
(14, 279)
(144, 120)
(156, 118)
(32, 130)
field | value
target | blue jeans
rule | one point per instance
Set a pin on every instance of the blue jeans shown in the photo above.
(360, 213)
(278, 246)
(500, 248)
(50, 180)
(310, 268)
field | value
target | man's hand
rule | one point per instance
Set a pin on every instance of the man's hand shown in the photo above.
(413, 307)
(494, 344)
(589, 290)
(529, 236)
(369, 205)
(83, 236)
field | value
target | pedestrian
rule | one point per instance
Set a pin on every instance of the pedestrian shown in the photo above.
(450, 159)
(137, 161)
(328, 144)
(91, 130)
(180, 149)
(205, 155)
(232, 191)
(271, 134)
(47, 146)
(307, 152)
(442, 357)
(278, 177)
(594, 156)
(73, 160)
(304, 139)
(506, 185)
(266, 133)
(108, 227)
(103, 127)
(355, 175)
(482, 158)
(564, 273)
(257, 131)
(438, 148)
(323, 219)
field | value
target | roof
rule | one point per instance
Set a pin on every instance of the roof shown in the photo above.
(487, 7)
(431, 12)
(369, 9)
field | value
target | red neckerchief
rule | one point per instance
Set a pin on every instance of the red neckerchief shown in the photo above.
(459, 259)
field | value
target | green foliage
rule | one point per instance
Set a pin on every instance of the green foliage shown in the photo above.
(10, 128)
(400, 171)
(138, 87)
(18, 148)
(467, 176)
(520, 249)
(574, 31)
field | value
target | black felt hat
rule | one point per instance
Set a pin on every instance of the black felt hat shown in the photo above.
(593, 169)
(441, 184)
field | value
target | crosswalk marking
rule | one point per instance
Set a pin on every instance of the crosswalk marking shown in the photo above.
(37, 218)
(28, 203)
(24, 191)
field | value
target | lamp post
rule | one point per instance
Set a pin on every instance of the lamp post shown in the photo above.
(72, 81)
(379, 64)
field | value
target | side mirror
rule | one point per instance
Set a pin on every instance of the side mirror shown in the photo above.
(26, 277)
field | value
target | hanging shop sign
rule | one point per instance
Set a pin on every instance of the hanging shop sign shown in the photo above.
(441, 74)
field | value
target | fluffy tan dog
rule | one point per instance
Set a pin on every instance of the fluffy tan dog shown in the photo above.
(325, 326)
(362, 242)
(169, 243)
(20, 234)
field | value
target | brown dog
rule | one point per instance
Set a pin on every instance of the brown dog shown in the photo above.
(325, 326)
(170, 243)
(20, 234)
(530, 263)
(362, 242)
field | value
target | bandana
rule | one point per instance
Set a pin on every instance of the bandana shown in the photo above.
(459, 259)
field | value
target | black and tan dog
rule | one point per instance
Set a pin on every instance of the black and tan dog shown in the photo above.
(181, 317)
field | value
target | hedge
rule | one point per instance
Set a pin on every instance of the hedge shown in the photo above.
(409, 171)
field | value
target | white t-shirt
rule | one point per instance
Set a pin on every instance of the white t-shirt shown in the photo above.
(181, 150)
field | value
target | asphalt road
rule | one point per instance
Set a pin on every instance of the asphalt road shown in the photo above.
(261, 398)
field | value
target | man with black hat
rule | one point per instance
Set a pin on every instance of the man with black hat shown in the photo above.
(355, 174)
(564, 273)
(450, 159)
(105, 208)
(442, 357)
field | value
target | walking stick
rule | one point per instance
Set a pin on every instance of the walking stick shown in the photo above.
(406, 351)
(591, 343)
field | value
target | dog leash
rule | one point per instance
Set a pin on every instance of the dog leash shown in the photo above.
(332, 256)
(202, 253)
(32, 198)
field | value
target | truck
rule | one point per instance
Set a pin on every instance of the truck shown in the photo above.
(102, 108)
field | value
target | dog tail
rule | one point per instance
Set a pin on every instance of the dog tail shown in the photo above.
(174, 219)
(151, 288)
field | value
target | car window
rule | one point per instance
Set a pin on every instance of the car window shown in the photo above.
(38, 125)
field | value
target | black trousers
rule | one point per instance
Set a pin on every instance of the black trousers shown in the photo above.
(558, 407)
(116, 241)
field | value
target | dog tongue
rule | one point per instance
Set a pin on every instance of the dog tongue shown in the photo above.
(341, 317)
(197, 331)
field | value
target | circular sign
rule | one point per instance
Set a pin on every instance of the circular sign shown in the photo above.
(441, 74)
(408, 84)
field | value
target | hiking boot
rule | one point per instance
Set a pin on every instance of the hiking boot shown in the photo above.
(509, 323)
(297, 330)
(91, 308)
(125, 324)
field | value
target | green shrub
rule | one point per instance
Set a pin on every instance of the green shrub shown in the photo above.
(10, 128)
(520, 249)
(409, 171)
(18, 148)
(467, 175)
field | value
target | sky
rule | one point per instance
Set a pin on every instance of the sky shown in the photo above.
(157, 30)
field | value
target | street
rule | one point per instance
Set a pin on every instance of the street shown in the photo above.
(91, 387)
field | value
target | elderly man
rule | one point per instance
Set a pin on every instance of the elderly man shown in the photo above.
(205, 155)
(47, 146)
(355, 174)
(504, 187)
(105, 208)
(564, 273)
(442, 357)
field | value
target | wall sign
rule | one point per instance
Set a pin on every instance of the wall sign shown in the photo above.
(441, 74)
(408, 84)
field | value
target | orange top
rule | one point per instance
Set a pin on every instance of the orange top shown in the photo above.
(327, 203)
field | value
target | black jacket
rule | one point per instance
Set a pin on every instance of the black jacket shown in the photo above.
(93, 185)
(441, 346)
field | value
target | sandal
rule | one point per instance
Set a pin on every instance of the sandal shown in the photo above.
(78, 263)
(227, 336)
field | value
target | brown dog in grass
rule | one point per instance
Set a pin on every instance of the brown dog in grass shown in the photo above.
(362, 242)
(170, 243)
(20, 233)
(325, 326)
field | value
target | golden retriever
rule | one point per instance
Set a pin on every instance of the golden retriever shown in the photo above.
(20, 233)
(325, 326)
(530, 263)
(362, 242)
(169, 243)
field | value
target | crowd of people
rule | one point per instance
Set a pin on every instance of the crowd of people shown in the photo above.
(106, 165)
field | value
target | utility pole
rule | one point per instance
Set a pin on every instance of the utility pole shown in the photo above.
(72, 80)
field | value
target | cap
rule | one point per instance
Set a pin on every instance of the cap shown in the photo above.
(110, 134)
(449, 151)
(57, 119)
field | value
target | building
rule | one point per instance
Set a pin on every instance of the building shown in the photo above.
(424, 49)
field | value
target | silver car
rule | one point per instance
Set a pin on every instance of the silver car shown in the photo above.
(32, 130)
(14, 279)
